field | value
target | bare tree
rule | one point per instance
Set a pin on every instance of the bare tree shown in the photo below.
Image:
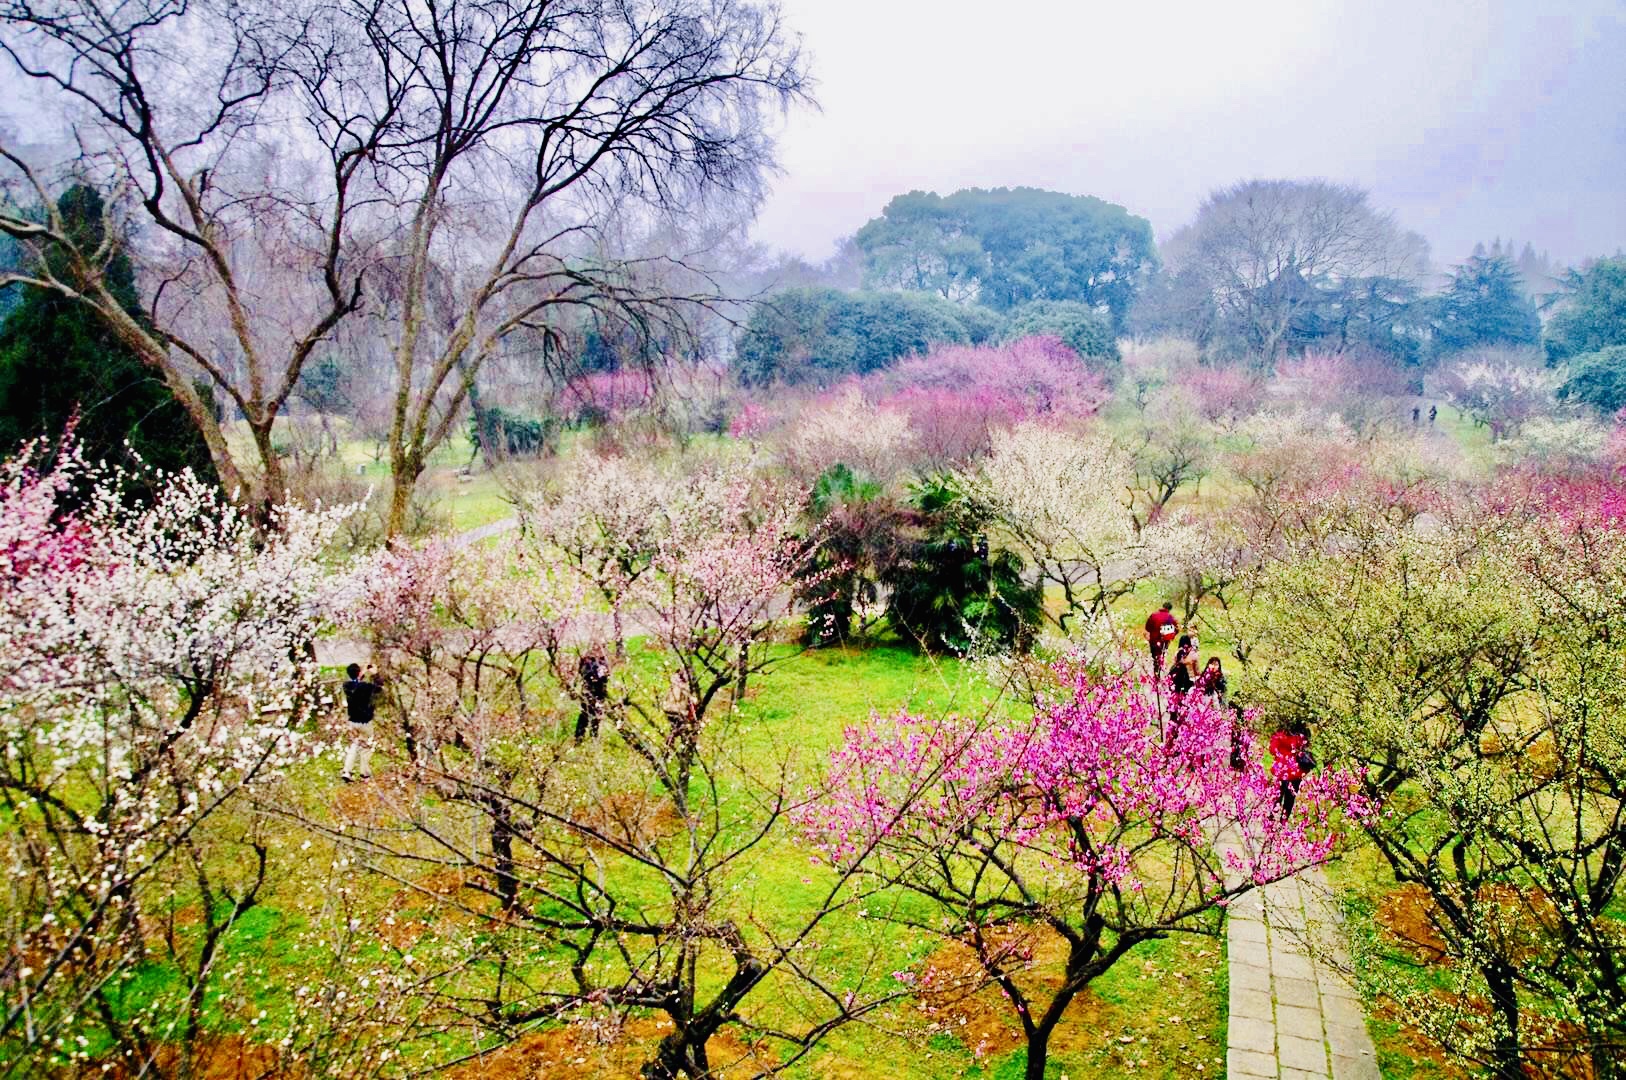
(1265, 252)
(171, 106)
(466, 156)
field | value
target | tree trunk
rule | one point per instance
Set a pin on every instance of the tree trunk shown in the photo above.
(484, 424)
(405, 468)
(1038, 1052)
(677, 1056)
(201, 412)
(1505, 1003)
(502, 851)
(273, 489)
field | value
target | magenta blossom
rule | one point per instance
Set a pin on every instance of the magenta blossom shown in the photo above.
(1096, 821)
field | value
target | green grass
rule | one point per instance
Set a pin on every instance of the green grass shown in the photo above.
(1362, 881)
(796, 712)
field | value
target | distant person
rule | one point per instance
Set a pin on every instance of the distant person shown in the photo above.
(1433, 411)
(1291, 760)
(1239, 726)
(1161, 629)
(1182, 679)
(1211, 683)
(594, 672)
(360, 703)
(1416, 415)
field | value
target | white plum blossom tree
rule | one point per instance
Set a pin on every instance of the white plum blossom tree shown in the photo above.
(154, 669)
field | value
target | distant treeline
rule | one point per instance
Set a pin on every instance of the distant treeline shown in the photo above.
(1268, 269)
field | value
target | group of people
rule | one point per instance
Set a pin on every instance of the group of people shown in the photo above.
(1291, 759)
(362, 688)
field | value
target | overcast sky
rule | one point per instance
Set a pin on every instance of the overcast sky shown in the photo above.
(1468, 119)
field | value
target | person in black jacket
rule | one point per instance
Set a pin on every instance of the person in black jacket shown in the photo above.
(361, 703)
(594, 672)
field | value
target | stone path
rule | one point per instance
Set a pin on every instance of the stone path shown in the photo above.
(1292, 1018)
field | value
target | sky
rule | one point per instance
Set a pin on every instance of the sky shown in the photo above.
(1470, 119)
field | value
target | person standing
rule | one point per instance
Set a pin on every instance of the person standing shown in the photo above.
(1161, 629)
(1239, 725)
(594, 672)
(360, 703)
(1290, 761)
(1211, 683)
(1182, 680)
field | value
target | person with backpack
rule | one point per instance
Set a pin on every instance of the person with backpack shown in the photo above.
(1291, 761)
(360, 703)
(594, 672)
(1161, 629)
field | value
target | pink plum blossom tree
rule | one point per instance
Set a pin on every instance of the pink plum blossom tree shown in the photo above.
(631, 854)
(1088, 822)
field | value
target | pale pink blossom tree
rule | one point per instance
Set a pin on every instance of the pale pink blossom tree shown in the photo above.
(632, 853)
(1088, 822)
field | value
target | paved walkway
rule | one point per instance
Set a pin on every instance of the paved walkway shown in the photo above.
(1292, 1018)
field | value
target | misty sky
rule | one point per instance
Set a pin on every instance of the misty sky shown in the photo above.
(1468, 119)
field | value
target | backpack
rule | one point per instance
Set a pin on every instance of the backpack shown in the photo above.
(1304, 760)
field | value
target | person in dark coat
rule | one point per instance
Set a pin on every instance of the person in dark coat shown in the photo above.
(594, 672)
(360, 704)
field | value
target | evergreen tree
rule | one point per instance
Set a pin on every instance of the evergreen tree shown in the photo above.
(57, 359)
(1593, 312)
(1485, 304)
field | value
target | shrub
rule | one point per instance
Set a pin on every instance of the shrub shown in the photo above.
(950, 591)
(513, 434)
(818, 335)
(1597, 378)
(859, 529)
(1086, 332)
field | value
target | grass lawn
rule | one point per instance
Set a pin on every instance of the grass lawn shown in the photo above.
(1369, 896)
(1160, 1012)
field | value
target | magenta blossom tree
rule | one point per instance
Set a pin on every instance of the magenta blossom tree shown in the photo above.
(956, 397)
(1089, 822)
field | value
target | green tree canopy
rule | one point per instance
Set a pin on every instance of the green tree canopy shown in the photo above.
(1085, 331)
(1485, 304)
(1593, 315)
(817, 335)
(1597, 378)
(58, 358)
(1010, 246)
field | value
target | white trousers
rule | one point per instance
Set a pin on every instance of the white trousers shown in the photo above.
(358, 756)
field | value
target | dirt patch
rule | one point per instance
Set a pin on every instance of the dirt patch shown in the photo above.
(955, 995)
(380, 800)
(1553, 1049)
(600, 1049)
(218, 1057)
(630, 818)
(1515, 919)
(1407, 915)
